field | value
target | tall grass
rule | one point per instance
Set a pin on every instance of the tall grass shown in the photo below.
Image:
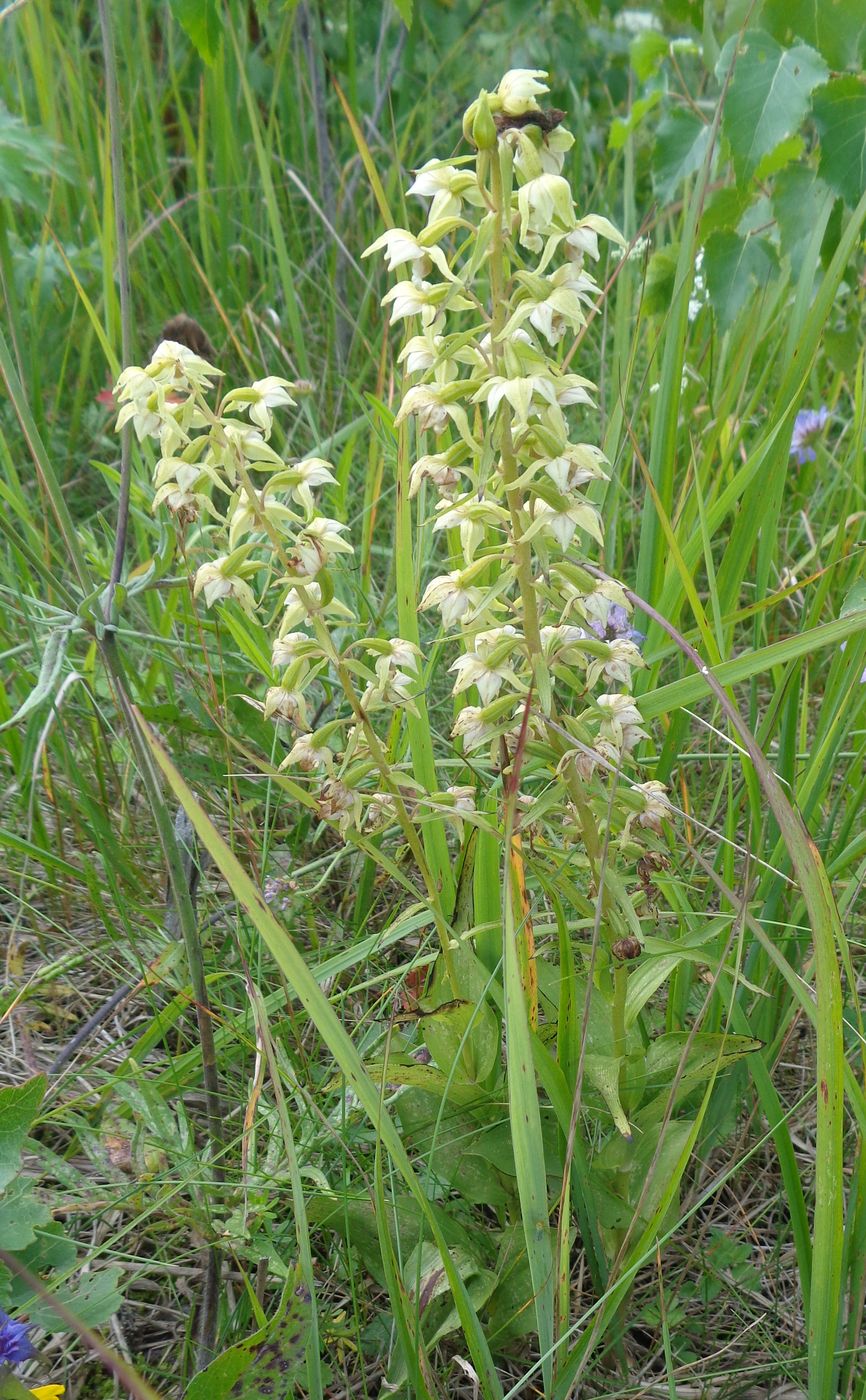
(755, 562)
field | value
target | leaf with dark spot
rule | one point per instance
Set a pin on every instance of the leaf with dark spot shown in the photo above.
(246, 1371)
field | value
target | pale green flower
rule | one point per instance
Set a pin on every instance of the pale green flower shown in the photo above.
(286, 705)
(473, 727)
(300, 478)
(452, 596)
(583, 238)
(292, 646)
(260, 399)
(309, 756)
(411, 299)
(560, 523)
(521, 391)
(471, 517)
(439, 471)
(448, 188)
(316, 544)
(616, 666)
(176, 367)
(518, 90)
(221, 579)
(621, 721)
(489, 665)
(546, 207)
(401, 247)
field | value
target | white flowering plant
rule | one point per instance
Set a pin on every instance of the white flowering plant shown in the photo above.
(535, 808)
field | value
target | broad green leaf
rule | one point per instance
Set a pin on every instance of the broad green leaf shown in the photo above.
(525, 1118)
(724, 209)
(51, 1250)
(704, 1052)
(28, 161)
(404, 10)
(734, 264)
(646, 52)
(463, 1040)
(425, 1278)
(837, 28)
(93, 1300)
(681, 146)
(426, 1077)
(768, 96)
(789, 150)
(19, 1105)
(11, 1388)
(201, 21)
(799, 196)
(621, 128)
(840, 116)
(602, 1072)
(264, 1364)
(21, 1215)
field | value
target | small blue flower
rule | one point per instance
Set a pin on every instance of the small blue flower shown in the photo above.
(14, 1343)
(808, 425)
(618, 627)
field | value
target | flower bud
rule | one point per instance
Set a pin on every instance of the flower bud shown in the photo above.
(483, 133)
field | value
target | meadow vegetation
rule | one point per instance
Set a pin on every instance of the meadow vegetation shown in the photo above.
(432, 710)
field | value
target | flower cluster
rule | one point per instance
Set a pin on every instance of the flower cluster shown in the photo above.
(495, 283)
(497, 279)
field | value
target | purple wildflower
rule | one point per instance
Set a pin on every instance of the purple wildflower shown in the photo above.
(617, 627)
(808, 425)
(15, 1345)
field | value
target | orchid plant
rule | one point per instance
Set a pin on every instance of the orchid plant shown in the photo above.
(496, 464)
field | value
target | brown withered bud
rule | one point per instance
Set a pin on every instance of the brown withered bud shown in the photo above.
(546, 121)
(649, 863)
(627, 948)
(188, 332)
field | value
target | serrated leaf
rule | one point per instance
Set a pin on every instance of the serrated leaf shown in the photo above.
(768, 96)
(201, 22)
(19, 1104)
(840, 115)
(837, 28)
(680, 149)
(733, 265)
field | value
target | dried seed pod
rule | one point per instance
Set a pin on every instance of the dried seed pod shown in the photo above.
(627, 948)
